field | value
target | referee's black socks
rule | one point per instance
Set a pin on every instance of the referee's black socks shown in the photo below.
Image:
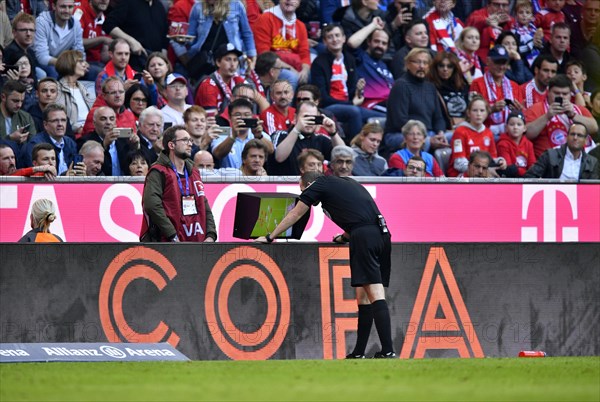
(365, 321)
(381, 316)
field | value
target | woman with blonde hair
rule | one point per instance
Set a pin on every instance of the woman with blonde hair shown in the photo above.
(364, 146)
(42, 215)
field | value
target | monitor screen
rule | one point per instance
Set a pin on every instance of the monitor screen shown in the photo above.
(257, 214)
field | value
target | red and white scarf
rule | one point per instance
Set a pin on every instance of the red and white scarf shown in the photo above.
(498, 118)
(558, 127)
(226, 89)
(473, 59)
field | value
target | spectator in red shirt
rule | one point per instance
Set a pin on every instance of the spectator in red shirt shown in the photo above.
(549, 121)
(280, 115)
(472, 135)
(549, 16)
(118, 66)
(501, 93)
(514, 147)
(113, 96)
(545, 67)
(90, 15)
(490, 21)
(278, 30)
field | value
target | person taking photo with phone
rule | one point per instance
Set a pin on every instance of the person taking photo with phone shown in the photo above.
(550, 120)
(117, 142)
(244, 127)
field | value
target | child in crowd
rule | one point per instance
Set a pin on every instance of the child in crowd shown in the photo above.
(577, 74)
(472, 135)
(531, 38)
(514, 147)
(467, 45)
(549, 16)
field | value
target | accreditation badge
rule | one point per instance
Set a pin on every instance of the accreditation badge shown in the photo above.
(188, 205)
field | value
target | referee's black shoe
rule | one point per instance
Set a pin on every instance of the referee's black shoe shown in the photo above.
(355, 356)
(381, 355)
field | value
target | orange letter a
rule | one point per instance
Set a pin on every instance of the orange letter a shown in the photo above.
(427, 329)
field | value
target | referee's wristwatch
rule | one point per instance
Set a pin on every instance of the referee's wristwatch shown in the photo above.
(268, 238)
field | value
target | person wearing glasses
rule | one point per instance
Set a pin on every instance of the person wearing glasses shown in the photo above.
(415, 133)
(115, 148)
(113, 96)
(176, 93)
(23, 30)
(415, 167)
(550, 120)
(490, 21)
(570, 161)
(55, 127)
(414, 98)
(137, 99)
(227, 148)
(175, 206)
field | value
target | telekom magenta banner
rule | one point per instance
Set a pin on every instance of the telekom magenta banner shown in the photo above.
(432, 212)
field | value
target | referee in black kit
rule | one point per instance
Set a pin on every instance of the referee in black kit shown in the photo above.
(352, 208)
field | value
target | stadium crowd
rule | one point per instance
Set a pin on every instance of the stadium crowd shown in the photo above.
(427, 88)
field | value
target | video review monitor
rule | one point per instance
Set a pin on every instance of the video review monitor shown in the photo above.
(257, 214)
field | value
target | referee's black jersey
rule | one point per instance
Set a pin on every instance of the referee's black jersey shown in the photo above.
(348, 203)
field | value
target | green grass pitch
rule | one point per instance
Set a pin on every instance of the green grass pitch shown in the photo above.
(490, 379)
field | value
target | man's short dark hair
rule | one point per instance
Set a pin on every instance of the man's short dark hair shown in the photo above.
(169, 135)
(239, 103)
(236, 89)
(548, 58)
(265, 62)
(42, 146)
(480, 154)
(417, 158)
(114, 43)
(577, 63)
(47, 79)
(305, 104)
(313, 89)
(253, 143)
(11, 86)
(560, 81)
(414, 23)
(330, 27)
(385, 31)
(310, 176)
(576, 123)
(53, 107)
(560, 25)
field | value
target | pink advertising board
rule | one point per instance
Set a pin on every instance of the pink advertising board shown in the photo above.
(432, 212)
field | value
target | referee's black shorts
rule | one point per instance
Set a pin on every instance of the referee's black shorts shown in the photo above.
(370, 256)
